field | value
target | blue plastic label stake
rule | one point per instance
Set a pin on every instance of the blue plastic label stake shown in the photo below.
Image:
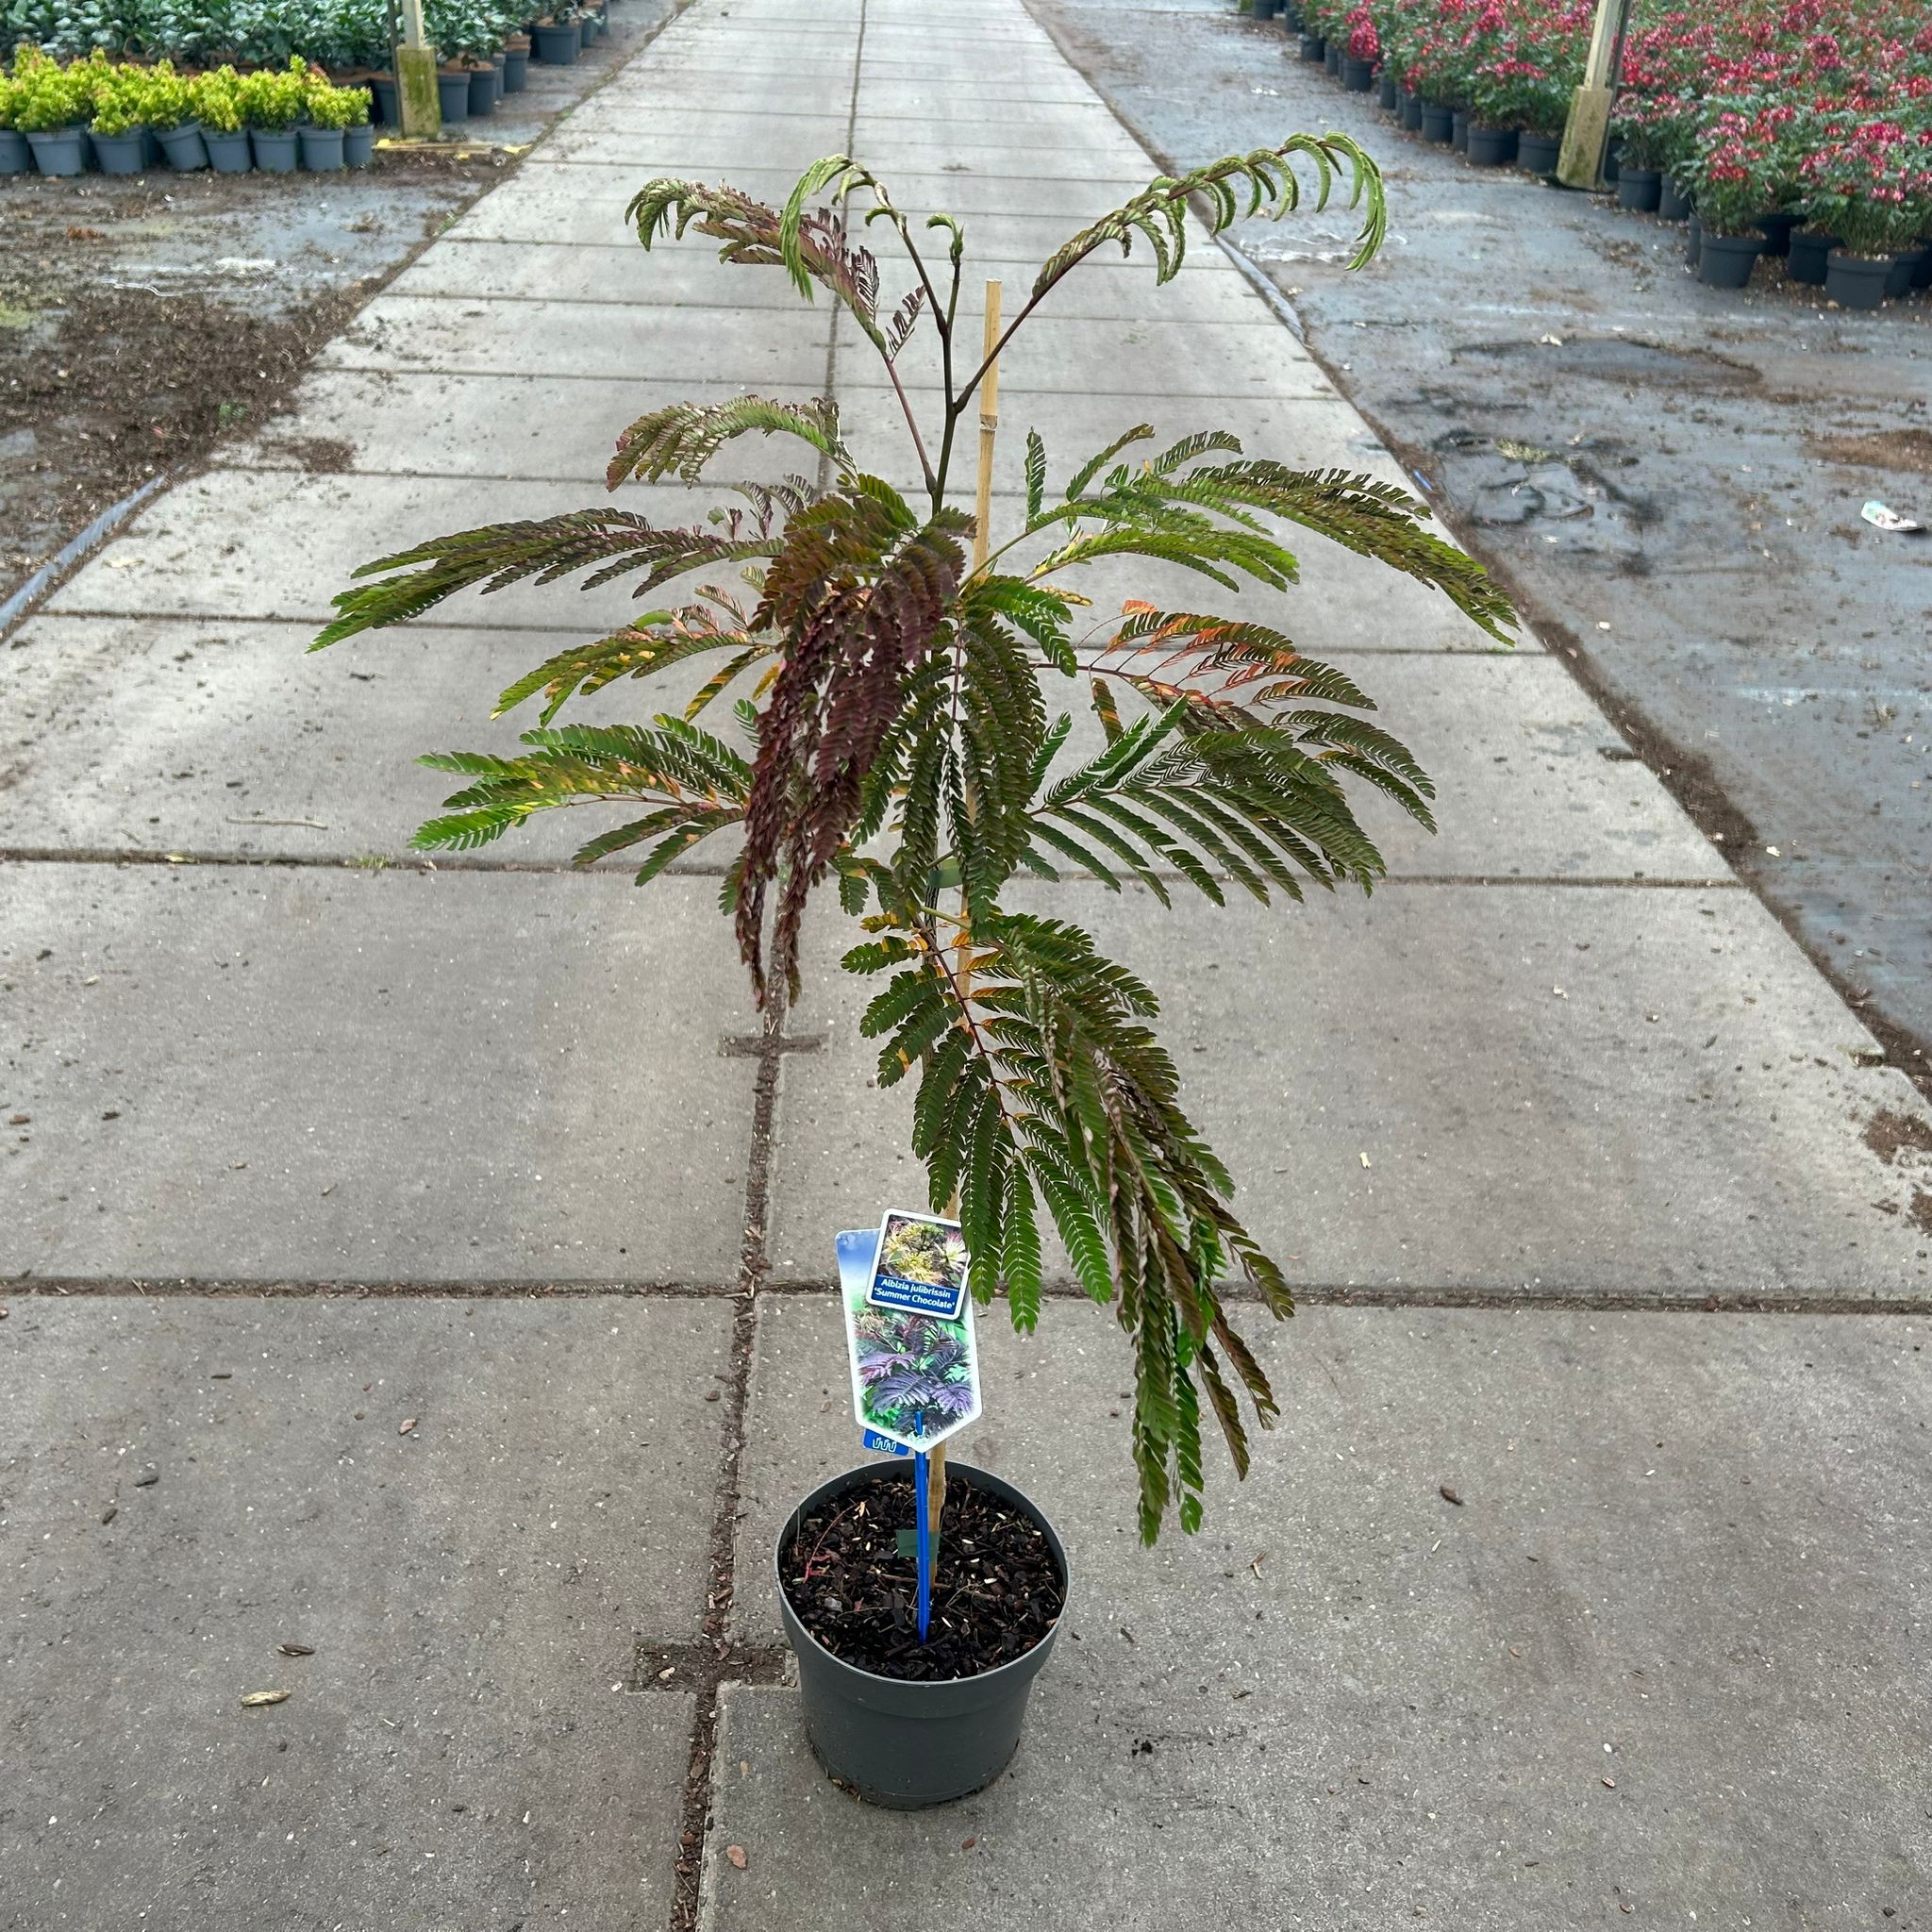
(925, 1522)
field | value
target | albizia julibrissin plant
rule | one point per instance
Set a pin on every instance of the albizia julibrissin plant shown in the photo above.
(898, 742)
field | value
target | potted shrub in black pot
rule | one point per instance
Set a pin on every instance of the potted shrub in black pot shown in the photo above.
(50, 108)
(901, 749)
(1734, 174)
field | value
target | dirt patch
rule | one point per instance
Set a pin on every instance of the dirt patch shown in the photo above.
(142, 320)
(1898, 450)
(1921, 1211)
(1891, 1133)
(1623, 359)
(318, 455)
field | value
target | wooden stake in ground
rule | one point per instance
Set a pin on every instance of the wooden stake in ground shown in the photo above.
(419, 107)
(982, 544)
(1587, 135)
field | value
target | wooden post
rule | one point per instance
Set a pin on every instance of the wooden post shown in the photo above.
(417, 105)
(989, 426)
(1587, 137)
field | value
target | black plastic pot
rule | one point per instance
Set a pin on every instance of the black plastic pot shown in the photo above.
(359, 145)
(1459, 131)
(482, 90)
(1915, 265)
(274, 149)
(1673, 204)
(1265, 9)
(322, 149)
(1439, 122)
(558, 46)
(1491, 147)
(1388, 96)
(16, 158)
(1314, 47)
(1331, 56)
(1777, 233)
(1613, 162)
(1412, 110)
(1536, 154)
(1810, 250)
(59, 150)
(908, 1745)
(1639, 189)
(383, 87)
(1693, 241)
(1725, 262)
(516, 69)
(1898, 283)
(1856, 281)
(183, 146)
(587, 30)
(1357, 77)
(453, 95)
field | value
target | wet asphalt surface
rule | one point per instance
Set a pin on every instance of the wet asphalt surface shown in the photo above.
(1668, 477)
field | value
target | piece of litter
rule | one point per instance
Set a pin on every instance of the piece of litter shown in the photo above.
(135, 562)
(1449, 1495)
(1550, 342)
(736, 1853)
(296, 1649)
(1772, 851)
(256, 1699)
(1365, 1161)
(408, 1425)
(1601, 625)
(1883, 517)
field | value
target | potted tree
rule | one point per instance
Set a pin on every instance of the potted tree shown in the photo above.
(901, 743)
(220, 112)
(16, 157)
(274, 100)
(51, 109)
(117, 128)
(168, 107)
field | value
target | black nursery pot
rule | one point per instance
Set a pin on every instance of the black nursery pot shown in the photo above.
(1537, 153)
(1777, 233)
(1314, 47)
(1439, 122)
(1459, 131)
(1412, 110)
(1809, 258)
(1725, 262)
(1388, 96)
(1491, 147)
(1856, 281)
(1357, 77)
(1640, 189)
(1673, 204)
(903, 1744)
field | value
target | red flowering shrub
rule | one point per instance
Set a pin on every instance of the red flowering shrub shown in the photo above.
(1821, 107)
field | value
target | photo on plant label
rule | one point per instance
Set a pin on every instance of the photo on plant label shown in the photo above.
(920, 1247)
(915, 1375)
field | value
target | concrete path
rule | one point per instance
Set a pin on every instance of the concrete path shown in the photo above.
(1557, 1088)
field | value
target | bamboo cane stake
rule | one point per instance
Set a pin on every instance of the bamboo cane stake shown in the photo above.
(989, 428)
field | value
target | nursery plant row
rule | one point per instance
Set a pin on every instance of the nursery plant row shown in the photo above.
(124, 116)
(1797, 129)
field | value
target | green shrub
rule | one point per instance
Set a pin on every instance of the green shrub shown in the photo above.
(275, 99)
(166, 98)
(216, 100)
(118, 98)
(336, 107)
(50, 96)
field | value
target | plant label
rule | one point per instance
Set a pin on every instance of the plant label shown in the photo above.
(919, 1267)
(915, 1375)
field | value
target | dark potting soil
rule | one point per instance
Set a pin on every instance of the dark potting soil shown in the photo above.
(997, 1594)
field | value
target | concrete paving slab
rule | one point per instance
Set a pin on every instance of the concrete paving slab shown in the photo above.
(614, 270)
(554, 428)
(310, 1074)
(1624, 1682)
(453, 1750)
(1628, 1091)
(287, 543)
(737, 348)
(1076, 198)
(171, 735)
